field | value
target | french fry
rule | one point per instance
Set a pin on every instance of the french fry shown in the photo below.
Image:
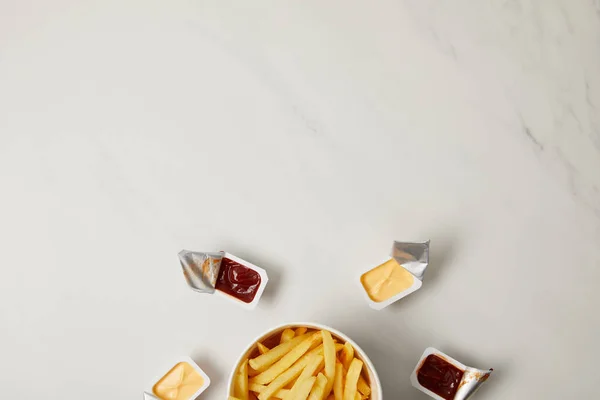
(252, 371)
(256, 388)
(315, 366)
(303, 389)
(363, 387)
(287, 335)
(262, 349)
(241, 382)
(329, 355)
(338, 383)
(318, 388)
(306, 365)
(301, 330)
(315, 363)
(264, 361)
(287, 361)
(288, 376)
(352, 379)
(321, 370)
(347, 355)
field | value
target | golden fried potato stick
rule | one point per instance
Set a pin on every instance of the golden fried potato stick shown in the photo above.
(256, 388)
(252, 371)
(363, 387)
(301, 330)
(338, 383)
(264, 361)
(352, 379)
(315, 363)
(287, 361)
(287, 335)
(303, 390)
(262, 349)
(330, 360)
(288, 376)
(347, 355)
(241, 382)
(318, 389)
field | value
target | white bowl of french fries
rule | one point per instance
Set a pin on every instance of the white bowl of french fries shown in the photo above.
(304, 361)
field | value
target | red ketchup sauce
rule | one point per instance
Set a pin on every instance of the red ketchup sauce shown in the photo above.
(237, 280)
(439, 376)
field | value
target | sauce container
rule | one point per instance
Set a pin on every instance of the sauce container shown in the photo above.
(444, 378)
(183, 380)
(225, 275)
(397, 276)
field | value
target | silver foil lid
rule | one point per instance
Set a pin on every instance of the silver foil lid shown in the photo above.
(471, 381)
(201, 269)
(148, 396)
(414, 257)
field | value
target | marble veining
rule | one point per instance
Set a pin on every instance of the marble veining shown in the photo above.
(537, 39)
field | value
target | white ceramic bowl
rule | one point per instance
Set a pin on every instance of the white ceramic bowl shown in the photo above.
(376, 392)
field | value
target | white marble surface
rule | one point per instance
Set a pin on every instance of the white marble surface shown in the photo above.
(305, 137)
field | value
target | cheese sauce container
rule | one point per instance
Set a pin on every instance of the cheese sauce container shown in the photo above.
(225, 275)
(183, 380)
(396, 277)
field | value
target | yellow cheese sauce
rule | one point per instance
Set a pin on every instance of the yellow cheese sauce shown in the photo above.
(386, 281)
(180, 383)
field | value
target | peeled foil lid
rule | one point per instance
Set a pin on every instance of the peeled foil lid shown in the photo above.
(472, 380)
(201, 269)
(414, 257)
(148, 396)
